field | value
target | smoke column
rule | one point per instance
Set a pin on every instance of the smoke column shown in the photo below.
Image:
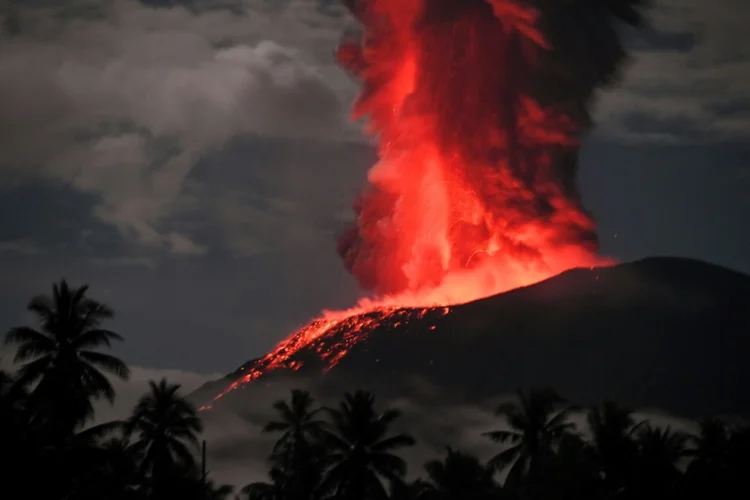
(475, 190)
(478, 107)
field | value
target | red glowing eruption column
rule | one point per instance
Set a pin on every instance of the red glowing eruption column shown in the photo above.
(475, 191)
(473, 172)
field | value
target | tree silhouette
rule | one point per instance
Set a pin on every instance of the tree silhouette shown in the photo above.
(272, 490)
(413, 490)
(720, 460)
(459, 476)
(612, 443)
(13, 409)
(20, 439)
(359, 449)
(537, 421)
(297, 421)
(165, 428)
(571, 473)
(296, 453)
(192, 486)
(63, 359)
(660, 449)
(109, 469)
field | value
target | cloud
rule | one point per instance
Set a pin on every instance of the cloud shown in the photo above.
(277, 226)
(689, 91)
(124, 262)
(19, 247)
(121, 105)
(288, 196)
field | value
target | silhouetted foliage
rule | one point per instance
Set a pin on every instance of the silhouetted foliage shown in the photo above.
(46, 404)
(165, 429)
(457, 477)
(358, 452)
(297, 457)
(537, 421)
(349, 451)
(61, 360)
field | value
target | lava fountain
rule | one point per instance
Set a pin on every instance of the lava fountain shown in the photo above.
(475, 189)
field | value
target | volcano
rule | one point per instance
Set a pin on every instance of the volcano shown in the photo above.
(478, 110)
(660, 333)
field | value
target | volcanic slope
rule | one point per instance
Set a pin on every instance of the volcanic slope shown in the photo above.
(660, 333)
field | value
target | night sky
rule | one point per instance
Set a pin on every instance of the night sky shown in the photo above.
(195, 167)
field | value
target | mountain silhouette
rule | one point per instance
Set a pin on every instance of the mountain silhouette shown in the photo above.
(660, 333)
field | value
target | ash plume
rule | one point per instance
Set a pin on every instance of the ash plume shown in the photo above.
(479, 107)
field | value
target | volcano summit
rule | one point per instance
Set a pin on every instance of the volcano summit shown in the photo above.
(641, 333)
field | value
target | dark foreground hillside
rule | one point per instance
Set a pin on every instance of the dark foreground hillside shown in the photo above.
(664, 333)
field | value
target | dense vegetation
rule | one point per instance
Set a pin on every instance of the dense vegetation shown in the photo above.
(351, 451)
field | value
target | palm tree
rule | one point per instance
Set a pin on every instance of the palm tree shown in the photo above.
(13, 406)
(192, 486)
(166, 429)
(413, 490)
(459, 477)
(63, 358)
(298, 423)
(739, 457)
(272, 490)
(717, 469)
(107, 467)
(296, 452)
(538, 420)
(209, 490)
(659, 452)
(613, 443)
(20, 444)
(570, 474)
(711, 445)
(359, 449)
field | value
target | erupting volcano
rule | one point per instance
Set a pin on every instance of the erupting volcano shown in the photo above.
(478, 122)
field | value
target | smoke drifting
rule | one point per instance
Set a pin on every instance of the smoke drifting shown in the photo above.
(478, 131)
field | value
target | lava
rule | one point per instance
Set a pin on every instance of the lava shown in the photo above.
(475, 189)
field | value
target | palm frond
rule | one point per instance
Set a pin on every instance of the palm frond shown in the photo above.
(385, 463)
(275, 427)
(502, 436)
(394, 442)
(183, 453)
(106, 362)
(504, 458)
(42, 306)
(24, 335)
(96, 337)
(98, 384)
(32, 371)
(100, 431)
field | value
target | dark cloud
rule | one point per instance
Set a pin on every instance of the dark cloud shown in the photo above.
(121, 105)
(688, 60)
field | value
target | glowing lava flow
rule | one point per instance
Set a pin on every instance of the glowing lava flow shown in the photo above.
(330, 337)
(475, 191)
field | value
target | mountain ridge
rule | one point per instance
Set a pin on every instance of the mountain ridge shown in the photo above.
(658, 332)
